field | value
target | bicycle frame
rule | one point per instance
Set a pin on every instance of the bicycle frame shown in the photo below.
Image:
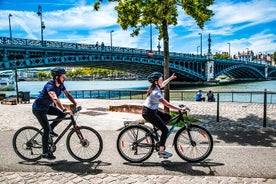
(154, 130)
(72, 123)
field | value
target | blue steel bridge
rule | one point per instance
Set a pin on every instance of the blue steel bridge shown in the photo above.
(18, 53)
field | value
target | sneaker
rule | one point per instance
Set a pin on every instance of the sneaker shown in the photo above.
(164, 154)
(53, 134)
(48, 156)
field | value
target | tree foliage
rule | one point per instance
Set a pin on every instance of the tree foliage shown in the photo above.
(137, 14)
(221, 56)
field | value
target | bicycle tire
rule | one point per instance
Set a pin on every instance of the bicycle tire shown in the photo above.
(197, 151)
(129, 149)
(87, 150)
(27, 143)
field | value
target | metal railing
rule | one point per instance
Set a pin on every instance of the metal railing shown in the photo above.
(263, 97)
(179, 95)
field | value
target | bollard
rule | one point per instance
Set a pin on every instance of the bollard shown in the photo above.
(218, 107)
(265, 108)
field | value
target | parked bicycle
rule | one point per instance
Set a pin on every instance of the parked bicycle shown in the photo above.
(136, 142)
(83, 143)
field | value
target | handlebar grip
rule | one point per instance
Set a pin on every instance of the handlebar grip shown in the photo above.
(77, 109)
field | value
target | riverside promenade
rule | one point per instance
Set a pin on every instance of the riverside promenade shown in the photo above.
(238, 133)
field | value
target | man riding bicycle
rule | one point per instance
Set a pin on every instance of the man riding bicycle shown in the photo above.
(43, 105)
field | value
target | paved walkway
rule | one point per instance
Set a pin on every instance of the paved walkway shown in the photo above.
(233, 117)
(82, 178)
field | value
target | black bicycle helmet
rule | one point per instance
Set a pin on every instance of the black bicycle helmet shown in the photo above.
(154, 76)
(58, 72)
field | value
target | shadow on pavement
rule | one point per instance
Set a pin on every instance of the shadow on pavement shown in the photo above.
(244, 131)
(244, 138)
(80, 168)
(203, 168)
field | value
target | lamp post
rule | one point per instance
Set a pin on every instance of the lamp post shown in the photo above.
(200, 43)
(229, 44)
(42, 25)
(150, 37)
(111, 38)
(10, 26)
(197, 49)
(16, 81)
(159, 47)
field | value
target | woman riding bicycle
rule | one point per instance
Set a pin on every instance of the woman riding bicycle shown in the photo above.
(43, 106)
(150, 110)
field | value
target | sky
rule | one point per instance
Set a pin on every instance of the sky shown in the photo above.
(238, 25)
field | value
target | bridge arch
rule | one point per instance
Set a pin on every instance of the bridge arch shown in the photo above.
(241, 71)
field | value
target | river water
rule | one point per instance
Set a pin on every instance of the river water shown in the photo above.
(35, 86)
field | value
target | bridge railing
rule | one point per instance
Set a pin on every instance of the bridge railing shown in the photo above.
(98, 48)
(86, 47)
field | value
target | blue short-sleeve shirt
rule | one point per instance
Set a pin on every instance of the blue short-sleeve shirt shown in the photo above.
(152, 101)
(43, 101)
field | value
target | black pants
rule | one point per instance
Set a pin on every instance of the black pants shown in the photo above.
(43, 120)
(157, 119)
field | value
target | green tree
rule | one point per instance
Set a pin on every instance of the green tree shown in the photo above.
(137, 14)
(221, 56)
(41, 75)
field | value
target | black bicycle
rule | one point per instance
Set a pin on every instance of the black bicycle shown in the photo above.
(83, 143)
(136, 142)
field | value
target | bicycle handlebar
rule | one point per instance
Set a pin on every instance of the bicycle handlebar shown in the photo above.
(77, 109)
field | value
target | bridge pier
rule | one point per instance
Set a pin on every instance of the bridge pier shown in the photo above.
(209, 68)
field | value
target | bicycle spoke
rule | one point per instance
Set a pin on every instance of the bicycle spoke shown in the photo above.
(27, 143)
(133, 144)
(87, 149)
(197, 148)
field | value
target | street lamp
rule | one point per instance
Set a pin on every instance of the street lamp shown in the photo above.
(200, 43)
(159, 47)
(197, 50)
(150, 37)
(111, 38)
(16, 81)
(10, 26)
(229, 49)
(42, 25)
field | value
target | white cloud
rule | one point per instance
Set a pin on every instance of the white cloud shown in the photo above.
(243, 14)
(80, 23)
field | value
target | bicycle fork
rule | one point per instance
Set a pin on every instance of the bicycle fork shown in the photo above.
(193, 143)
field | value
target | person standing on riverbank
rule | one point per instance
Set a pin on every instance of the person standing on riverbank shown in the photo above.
(43, 106)
(150, 110)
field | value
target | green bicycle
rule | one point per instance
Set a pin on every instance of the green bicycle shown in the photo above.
(136, 142)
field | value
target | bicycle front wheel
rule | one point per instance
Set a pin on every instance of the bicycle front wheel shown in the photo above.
(135, 144)
(195, 148)
(84, 144)
(27, 143)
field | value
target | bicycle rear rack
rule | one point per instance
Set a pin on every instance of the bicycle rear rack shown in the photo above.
(127, 123)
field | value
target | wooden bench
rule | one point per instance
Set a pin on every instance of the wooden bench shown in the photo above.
(9, 101)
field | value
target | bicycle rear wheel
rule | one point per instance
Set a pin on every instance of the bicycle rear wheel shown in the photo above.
(198, 148)
(27, 143)
(84, 144)
(135, 144)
